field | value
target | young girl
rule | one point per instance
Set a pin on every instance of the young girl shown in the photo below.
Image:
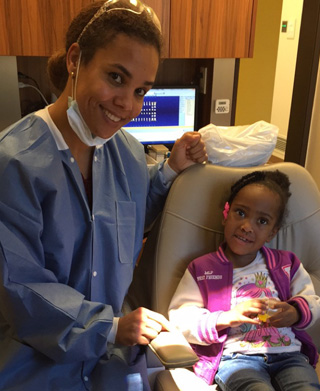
(244, 308)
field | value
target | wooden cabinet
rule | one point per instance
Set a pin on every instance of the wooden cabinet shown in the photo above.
(207, 28)
(162, 9)
(212, 28)
(38, 27)
(191, 28)
(35, 27)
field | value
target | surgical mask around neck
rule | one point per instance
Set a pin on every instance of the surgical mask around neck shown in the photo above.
(79, 126)
(76, 121)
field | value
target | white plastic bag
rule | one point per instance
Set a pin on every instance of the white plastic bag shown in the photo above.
(240, 146)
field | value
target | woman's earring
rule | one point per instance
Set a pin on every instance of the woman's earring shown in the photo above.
(72, 75)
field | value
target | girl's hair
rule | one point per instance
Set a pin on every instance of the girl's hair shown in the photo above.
(100, 33)
(276, 181)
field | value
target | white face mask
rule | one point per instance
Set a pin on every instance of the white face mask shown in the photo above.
(76, 121)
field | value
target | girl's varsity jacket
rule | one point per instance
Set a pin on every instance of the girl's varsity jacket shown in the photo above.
(213, 274)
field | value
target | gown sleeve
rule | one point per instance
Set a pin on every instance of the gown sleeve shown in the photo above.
(158, 191)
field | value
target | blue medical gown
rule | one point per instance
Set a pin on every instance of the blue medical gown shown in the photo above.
(65, 269)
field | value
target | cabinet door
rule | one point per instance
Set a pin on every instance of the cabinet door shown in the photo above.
(212, 28)
(35, 27)
(162, 9)
(38, 27)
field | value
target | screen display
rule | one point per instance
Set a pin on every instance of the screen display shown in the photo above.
(167, 113)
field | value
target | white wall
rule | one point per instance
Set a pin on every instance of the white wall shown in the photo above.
(313, 154)
(285, 67)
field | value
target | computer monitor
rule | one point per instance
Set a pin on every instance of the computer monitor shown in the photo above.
(167, 113)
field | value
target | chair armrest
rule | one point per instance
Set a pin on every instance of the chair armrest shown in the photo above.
(173, 350)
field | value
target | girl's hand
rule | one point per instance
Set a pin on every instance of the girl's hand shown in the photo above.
(286, 316)
(245, 312)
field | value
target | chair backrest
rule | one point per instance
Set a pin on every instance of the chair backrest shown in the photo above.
(191, 225)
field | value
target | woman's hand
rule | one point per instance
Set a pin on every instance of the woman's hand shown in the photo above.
(187, 150)
(140, 327)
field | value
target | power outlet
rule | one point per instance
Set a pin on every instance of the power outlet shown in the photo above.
(291, 29)
(203, 79)
(222, 106)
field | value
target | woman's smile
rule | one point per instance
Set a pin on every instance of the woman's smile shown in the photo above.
(111, 116)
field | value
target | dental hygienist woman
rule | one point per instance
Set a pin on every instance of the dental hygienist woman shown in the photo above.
(75, 193)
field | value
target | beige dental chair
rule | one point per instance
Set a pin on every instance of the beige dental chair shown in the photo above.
(190, 225)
